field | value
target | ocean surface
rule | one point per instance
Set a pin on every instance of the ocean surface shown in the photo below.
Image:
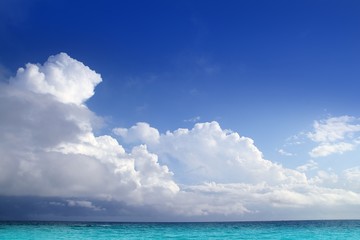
(336, 229)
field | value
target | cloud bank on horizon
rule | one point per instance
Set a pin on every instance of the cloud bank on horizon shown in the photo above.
(49, 149)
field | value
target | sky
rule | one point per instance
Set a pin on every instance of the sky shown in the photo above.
(179, 110)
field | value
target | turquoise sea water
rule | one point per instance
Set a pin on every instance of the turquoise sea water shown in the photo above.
(349, 229)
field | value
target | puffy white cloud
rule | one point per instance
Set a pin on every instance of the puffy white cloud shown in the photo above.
(141, 132)
(63, 77)
(334, 135)
(209, 153)
(226, 174)
(48, 149)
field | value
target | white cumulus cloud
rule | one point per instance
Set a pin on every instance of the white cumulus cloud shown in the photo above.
(48, 149)
(61, 76)
(209, 153)
(141, 132)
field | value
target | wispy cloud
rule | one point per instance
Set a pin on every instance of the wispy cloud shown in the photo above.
(310, 165)
(334, 129)
(334, 135)
(193, 119)
(84, 204)
(285, 153)
(326, 149)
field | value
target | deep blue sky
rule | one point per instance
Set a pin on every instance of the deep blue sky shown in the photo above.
(266, 69)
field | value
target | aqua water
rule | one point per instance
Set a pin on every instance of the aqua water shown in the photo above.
(348, 229)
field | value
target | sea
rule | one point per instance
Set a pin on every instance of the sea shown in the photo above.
(329, 229)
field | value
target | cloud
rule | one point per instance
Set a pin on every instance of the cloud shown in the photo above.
(353, 174)
(284, 153)
(310, 165)
(84, 204)
(141, 132)
(50, 152)
(334, 135)
(325, 178)
(334, 129)
(328, 149)
(63, 77)
(352, 178)
(261, 201)
(209, 153)
(4, 73)
(294, 140)
(193, 119)
(48, 147)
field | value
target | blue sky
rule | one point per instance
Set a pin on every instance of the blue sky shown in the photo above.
(267, 70)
